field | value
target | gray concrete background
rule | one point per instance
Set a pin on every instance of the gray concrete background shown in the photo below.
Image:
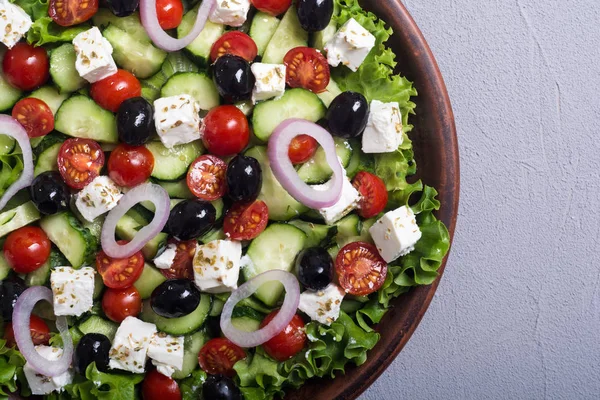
(517, 312)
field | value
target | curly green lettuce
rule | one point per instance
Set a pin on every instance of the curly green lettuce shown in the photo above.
(11, 365)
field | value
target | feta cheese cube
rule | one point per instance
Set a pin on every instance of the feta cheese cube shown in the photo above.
(41, 384)
(129, 350)
(383, 133)
(14, 23)
(94, 56)
(217, 266)
(73, 290)
(166, 370)
(346, 203)
(99, 197)
(177, 120)
(270, 81)
(323, 305)
(396, 233)
(165, 260)
(230, 12)
(166, 352)
(350, 45)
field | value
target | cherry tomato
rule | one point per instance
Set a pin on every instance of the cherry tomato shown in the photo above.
(130, 165)
(218, 356)
(110, 92)
(360, 268)
(72, 12)
(306, 68)
(26, 67)
(206, 177)
(226, 131)
(119, 273)
(373, 194)
(35, 116)
(289, 342)
(236, 43)
(157, 386)
(26, 249)
(170, 13)
(273, 7)
(40, 333)
(119, 304)
(182, 267)
(80, 161)
(302, 148)
(245, 221)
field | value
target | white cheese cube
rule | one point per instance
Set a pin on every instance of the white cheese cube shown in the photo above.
(217, 266)
(129, 350)
(166, 352)
(230, 12)
(383, 133)
(270, 81)
(323, 305)
(396, 233)
(14, 23)
(166, 370)
(99, 197)
(165, 260)
(94, 56)
(41, 384)
(346, 203)
(73, 290)
(177, 120)
(350, 45)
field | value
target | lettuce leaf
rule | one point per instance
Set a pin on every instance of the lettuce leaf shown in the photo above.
(44, 31)
(191, 387)
(259, 377)
(11, 364)
(35, 8)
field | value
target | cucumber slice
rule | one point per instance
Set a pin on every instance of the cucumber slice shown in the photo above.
(348, 226)
(73, 240)
(320, 38)
(354, 163)
(81, 117)
(182, 325)
(18, 217)
(295, 103)
(148, 281)
(40, 276)
(217, 307)
(246, 107)
(255, 305)
(215, 234)
(262, 30)
(197, 85)
(98, 286)
(174, 63)
(172, 164)
(317, 169)
(331, 92)
(177, 190)
(289, 34)
(131, 24)
(128, 227)
(63, 71)
(4, 267)
(191, 347)
(317, 235)
(7, 144)
(9, 95)
(245, 324)
(275, 248)
(199, 49)
(47, 160)
(96, 324)
(50, 96)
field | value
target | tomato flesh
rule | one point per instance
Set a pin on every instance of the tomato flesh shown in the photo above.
(245, 221)
(170, 13)
(119, 273)
(40, 333)
(307, 68)
(273, 7)
(157, 386)
(373, 194)
(26, 249)
(360, 268)
(26, 67)
(110, 92)
(236, 43)
(130, 165)
(226, 131)
(183, 263)
(207, 178)
(218, 356)
(35, 116)
(72, 12)
(119, 304)
(80, 161)
(289, 342)
(302, 149)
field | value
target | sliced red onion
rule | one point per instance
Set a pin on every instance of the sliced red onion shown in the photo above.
(20, 320)
(284, 171)
(161, 38)
(144, 192)
(10, 127)
(273, 328)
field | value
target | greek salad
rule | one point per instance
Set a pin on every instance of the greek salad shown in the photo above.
(201, 200)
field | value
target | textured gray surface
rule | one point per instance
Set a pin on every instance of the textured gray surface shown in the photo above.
(517, 314)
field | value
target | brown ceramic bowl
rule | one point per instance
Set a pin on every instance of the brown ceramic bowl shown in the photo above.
(436, 152)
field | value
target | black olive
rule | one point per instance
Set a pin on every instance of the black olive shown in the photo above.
(175, 298)
(135, 121)
(314, 268)
(348, 115)
(93, 347)
(233, 78)
(122, 8)
(244, 178)
(50, 193)
(219, 387)
(191, 219)
(10, 290)
(314, 15)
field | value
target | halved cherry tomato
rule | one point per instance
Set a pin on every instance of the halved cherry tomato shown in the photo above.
(119, 304)
(302, 148)
(183, 263)
(206, 177)
(35, 116)
(234, 42)
(80, 161)
(110, 92)
(306, 68)
(273, 7)
(360, 268)
(245, 221)
(157, 386)
(26, 249)
(169, 12)
(40, 333)
(119, 273)
(373, 194)
(218, 356)
(72, 12)
(289, 342)
(130, 165)
(26, 67)
(226, 131)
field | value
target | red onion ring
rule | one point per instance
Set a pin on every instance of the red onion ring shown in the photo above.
(10, 127)
(273, 328)
(21, 317)
(284, 171)
(161, 38)
(144, 192)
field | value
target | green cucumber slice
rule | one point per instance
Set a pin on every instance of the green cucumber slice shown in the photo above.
(50, 96)
(172, 164)
(288, 35)
(191, 347)
(199, 49)
(148, 281)
(79, 116)
(73, 240)
(317, 169)
(96, 324)
(262, 30)
(18, 217)
(182, 325)
(316, 234)
(63, 71)
(197, 85)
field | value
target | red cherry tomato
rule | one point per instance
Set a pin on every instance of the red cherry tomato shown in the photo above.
(206, 177)
(289, 342)
(245, 221)
(373, 194)
(226, 131)
(273, 7)
(306, 68)
(302, 148)
(119, 304)
(119, 273)
(26, 67)
(234, 42)
(182, 267)
(218, 356)
(26, 249)
(80, 161)
(360, 268)
(110, 92)
(157, 386)
(40, 333)
(72, 12)
(130, 165)
(170, 13)
(35, 116)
